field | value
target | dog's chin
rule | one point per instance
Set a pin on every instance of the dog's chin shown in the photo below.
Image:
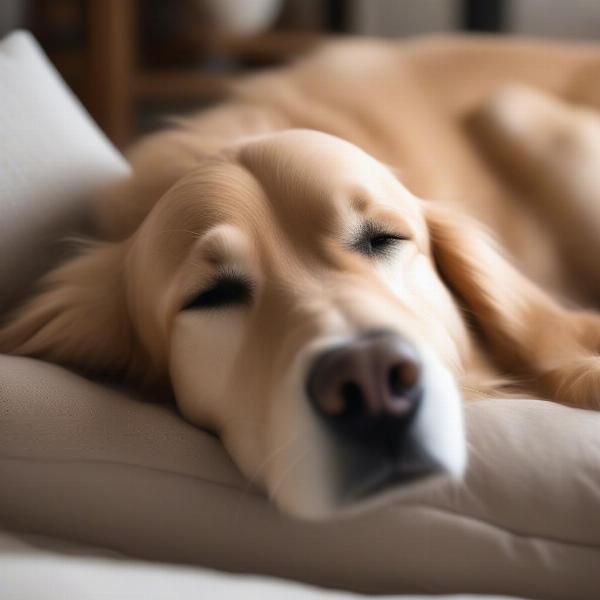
(320, 476)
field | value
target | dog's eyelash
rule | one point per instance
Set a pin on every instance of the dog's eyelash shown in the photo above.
(372, 241)
(224, 292)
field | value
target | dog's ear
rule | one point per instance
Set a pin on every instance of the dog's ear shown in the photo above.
(79, 317)
(525, 330)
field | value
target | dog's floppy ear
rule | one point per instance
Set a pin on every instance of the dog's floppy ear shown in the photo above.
(526, 331)
(79, 317)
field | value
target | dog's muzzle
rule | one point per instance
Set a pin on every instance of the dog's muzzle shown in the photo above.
(372, 399)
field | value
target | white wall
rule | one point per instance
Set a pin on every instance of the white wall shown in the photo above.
(557, 18)
(402, 17)
(553, 18)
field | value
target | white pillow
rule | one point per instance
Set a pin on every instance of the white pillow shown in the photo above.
(52, 156)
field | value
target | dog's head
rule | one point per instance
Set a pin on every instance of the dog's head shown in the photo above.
(296, 297)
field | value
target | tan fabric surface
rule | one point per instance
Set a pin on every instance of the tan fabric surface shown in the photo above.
(82, 462)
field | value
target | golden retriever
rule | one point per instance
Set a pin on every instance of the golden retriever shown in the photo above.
(267, 264)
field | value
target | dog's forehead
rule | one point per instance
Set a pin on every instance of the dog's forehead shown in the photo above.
(217, 190)
(318, 167)
(299, 181)
(320, 155)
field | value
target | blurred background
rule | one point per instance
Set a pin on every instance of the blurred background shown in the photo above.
(131, 62)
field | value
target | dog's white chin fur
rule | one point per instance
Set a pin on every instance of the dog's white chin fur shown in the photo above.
(304, 479)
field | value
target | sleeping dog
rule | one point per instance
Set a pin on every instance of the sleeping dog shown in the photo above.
(304, 301)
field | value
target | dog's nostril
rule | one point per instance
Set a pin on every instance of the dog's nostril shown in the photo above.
(332, 405)
(403, 377)
(353, 399)
(367, 386)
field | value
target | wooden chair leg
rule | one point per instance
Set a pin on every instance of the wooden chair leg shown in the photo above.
(111, 57)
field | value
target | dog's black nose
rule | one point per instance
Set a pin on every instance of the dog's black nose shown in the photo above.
(368, 388)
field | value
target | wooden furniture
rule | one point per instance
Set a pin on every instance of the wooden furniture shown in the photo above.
(111, 66)
(108, 71)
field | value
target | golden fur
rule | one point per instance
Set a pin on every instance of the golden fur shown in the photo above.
(258, 186)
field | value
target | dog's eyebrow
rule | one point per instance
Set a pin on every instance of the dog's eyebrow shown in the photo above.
(359, 203)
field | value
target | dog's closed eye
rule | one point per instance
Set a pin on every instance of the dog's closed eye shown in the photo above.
(225, 292)
(373, 241)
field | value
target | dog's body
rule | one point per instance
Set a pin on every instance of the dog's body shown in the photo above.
(250, 246)
(409, 106)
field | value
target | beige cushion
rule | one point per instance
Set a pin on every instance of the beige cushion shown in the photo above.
(83, 462)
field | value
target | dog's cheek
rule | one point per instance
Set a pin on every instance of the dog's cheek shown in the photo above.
(393, 271)
(204, 349)
(435, 314)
